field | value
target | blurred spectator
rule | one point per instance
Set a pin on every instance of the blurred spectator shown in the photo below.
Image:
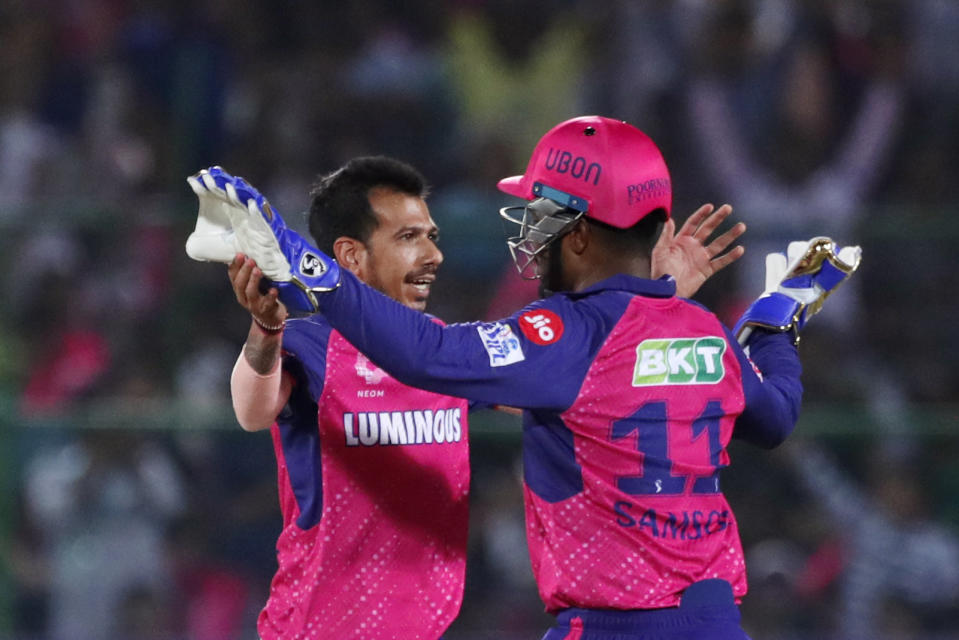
(210, 598)
(897, 567)
(101, 503)
(29, 147)
(517, 68)
(797, 132)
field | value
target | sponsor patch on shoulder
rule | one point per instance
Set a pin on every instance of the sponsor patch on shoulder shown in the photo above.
(541, 326)
(501, 344)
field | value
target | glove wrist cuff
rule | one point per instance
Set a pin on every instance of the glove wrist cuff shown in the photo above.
(774, 312)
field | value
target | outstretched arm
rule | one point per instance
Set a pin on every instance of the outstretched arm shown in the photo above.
(688, 257)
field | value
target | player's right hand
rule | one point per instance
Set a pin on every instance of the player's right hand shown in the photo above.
(689, 255)
(262, 302)
(797, 284)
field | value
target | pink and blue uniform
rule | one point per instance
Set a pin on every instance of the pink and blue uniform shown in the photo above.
(373, 483)
(630, 396)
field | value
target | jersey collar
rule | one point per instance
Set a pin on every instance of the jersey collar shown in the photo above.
(663, 287)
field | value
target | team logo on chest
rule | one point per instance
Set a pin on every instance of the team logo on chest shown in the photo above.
(679, 361)
(367, 370)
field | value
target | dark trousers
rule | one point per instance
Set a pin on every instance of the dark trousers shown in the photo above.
(707, 611)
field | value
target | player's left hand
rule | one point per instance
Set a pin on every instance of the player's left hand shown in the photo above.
(297, 269)
(688, 257)
(213, 238)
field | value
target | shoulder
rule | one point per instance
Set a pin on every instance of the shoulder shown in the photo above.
(305, 337)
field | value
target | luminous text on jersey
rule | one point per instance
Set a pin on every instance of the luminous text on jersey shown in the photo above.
(679, 361)
(562, 161)
(384, 428)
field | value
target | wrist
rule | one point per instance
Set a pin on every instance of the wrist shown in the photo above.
(269, 329)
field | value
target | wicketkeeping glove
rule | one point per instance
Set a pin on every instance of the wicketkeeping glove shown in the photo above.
(213, 239)
(297, 269)
(797, 284)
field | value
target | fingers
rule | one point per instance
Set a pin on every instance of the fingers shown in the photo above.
(726, 259)
(712, 220)
(692, 222)
(669, 229)
(245, 277)
(252, 291)
(719, 244)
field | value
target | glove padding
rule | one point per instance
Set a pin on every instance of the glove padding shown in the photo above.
(297, 269)
(213, 239)
(797, 284)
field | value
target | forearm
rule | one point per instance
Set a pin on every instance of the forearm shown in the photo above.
(262, 349)
(257, 385)
(772, 403)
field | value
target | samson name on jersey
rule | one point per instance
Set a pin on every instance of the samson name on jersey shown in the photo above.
(630, 397)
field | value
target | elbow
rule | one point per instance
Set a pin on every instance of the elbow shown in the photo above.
(249, 419)
(775, 439)
(252, 423)
(251, 426)
(766, 432)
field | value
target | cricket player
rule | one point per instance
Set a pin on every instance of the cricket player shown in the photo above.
(373, 475)
(630, 394)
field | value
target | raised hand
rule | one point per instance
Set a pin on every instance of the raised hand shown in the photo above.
(297, 269)
(689, 256)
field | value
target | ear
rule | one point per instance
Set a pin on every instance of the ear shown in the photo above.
(349, 253)
(580, 237)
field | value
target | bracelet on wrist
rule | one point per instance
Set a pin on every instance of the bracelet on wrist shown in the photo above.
(269, 330)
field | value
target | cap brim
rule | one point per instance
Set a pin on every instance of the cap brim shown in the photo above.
(513, 186)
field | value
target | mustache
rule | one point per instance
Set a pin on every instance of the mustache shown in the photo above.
(428, 270)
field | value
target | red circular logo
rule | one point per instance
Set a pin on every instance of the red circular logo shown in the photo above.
(542, 326)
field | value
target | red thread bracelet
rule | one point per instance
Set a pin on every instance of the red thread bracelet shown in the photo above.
(270, 331)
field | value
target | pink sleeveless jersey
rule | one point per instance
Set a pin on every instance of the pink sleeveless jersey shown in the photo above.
(649, 429)
(374, 504)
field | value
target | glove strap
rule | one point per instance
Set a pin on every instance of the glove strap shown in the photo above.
(774, 312)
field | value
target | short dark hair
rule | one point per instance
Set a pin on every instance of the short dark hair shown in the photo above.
(639, 238)
(339, 201)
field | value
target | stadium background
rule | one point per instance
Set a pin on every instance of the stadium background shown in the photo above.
(132, 506)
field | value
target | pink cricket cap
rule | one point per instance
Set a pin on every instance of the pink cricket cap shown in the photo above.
(607, 167)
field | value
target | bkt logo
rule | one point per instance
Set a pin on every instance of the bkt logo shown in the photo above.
(579, 167)
(679, 361)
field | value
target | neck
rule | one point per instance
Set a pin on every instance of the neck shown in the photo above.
(600, 270)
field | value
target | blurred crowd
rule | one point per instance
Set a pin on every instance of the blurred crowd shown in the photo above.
(133, 506)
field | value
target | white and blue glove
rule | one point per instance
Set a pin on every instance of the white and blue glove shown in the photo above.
(797, 284)
(213, 239)
(297, 269)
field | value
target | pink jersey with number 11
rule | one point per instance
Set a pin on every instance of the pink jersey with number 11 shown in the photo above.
(630, 397)
(648, 432)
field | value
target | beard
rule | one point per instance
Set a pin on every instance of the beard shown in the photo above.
(552, 280)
